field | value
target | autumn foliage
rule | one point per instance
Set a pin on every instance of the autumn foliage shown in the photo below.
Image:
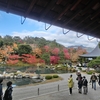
(54, 56)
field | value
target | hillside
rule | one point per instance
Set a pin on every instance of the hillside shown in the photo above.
(34, 50)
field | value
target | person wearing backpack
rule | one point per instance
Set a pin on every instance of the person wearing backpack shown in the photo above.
(85, 85)
(80, 85)
(93, 79)
(8, 92)
(1, 93)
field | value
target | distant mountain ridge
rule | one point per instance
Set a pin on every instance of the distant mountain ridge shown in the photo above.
(88, 49)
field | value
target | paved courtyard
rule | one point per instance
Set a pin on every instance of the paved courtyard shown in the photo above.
(30, 92)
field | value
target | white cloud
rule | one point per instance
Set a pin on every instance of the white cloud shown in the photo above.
(54, 32)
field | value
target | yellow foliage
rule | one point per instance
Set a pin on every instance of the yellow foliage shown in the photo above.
(37, 51)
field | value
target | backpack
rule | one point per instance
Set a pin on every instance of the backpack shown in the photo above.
(85, 82)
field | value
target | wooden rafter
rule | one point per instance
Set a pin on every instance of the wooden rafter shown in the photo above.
(59, 1)
(93, 28)
(9, 4)
(63, 11)
(81, 21)
(49, 6)
(75, 5)
(30, 7)
(86, 26)
(96, 14)
(71, 18)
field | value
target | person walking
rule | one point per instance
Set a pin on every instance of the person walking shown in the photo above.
(85, 85)
(70, 84)
(80, 82)
(8, 92)
(1, 92)
(93, 79)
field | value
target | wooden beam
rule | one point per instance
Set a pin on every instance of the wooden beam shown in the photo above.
(79, 11)
(30, 7)
(63, 11)
(8, 5)
(96, 14)
(89, 6)
(16, 2)
(75, 5)
(49, 6)
(89, 24)
(94, 28)
(59, 1)
(71, 18)
(81, 21)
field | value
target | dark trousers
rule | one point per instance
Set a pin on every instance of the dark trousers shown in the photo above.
(92, 84)
(0, 97)
(70, 90)
(99, 82)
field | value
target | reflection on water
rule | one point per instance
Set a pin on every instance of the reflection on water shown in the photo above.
(20, 82)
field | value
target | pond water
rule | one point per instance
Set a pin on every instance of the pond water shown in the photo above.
(20, 82)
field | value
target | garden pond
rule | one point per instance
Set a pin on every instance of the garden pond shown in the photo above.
(21, 82)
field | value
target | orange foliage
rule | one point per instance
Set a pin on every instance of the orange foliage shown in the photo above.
(15, 45)
(75, 53)
(37, 51)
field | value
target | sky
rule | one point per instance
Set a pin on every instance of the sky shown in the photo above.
(10, 24)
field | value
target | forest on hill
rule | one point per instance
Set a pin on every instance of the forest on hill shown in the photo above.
(15, 51)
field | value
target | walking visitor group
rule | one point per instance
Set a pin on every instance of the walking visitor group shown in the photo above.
(82, 83)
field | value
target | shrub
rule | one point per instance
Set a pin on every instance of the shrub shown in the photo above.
(80, 68)
(90, 72)
(73, 70)
(83, 70)
(48, 77)
(55, 76)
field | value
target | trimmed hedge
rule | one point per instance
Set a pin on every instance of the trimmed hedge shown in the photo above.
(55, 76)
(48, 77)
(90, 72)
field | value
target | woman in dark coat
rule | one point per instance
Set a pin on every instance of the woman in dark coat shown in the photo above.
(80, 85)
(8, 92)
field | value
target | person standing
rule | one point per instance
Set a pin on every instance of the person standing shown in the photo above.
(85, 85)
(70, 84)
(1, 92)
(80, 82)
(8, 92)
(93, 79)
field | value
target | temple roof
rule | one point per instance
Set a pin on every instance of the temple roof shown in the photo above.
(94, 53)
